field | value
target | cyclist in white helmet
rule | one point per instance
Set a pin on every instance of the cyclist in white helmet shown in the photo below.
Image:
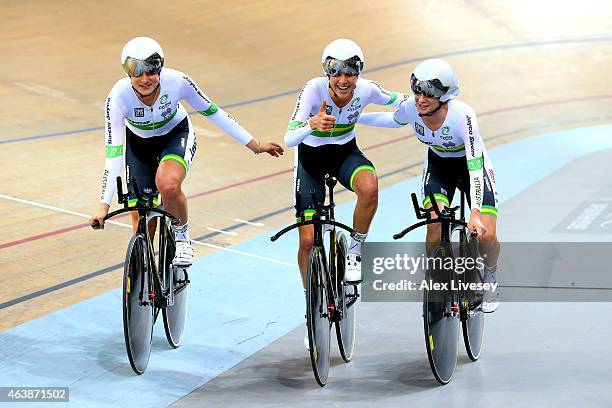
(456, 157)
(322, 127)
(146, 123)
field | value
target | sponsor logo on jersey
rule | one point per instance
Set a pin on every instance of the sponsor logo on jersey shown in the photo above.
(108, 122)
(352, 117)
(469, 124)
(355, 105)
(382, 90)
(163, 99)
(492, 175)
(164, 106)
(148, 190)
(139, 112)
(419, 129)
(297, 105)
(446, 133)
(448, 145)
(166, 112)
(197, 90)
(193, 150)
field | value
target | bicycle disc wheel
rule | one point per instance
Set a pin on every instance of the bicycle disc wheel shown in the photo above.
(175, 315)
(137, 317)
(472, 323)
(317, 317)
(347, 298)
(441, 327)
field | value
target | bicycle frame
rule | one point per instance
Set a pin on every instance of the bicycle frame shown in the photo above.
(323, 221)
(146, 212)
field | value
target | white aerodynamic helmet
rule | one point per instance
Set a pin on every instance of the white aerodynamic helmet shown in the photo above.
(342, 55)
(435, 78)
(142, 54)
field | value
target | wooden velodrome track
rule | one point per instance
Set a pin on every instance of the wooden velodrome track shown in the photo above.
(527, 67)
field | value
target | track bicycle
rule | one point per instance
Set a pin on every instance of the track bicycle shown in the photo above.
(150, 284)
(444, 309)
(329, 300)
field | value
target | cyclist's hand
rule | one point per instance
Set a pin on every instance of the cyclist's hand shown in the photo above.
(475, 225)
(272, 148)
(97, 220)
(322, 121)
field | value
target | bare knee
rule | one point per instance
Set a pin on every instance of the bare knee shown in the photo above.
(169, 186)
(367, 189)
(306, 242)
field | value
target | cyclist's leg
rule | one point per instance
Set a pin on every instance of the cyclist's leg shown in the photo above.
(358, 174)
(304, 183)
(175, 161)
(140, 164)
(436, 179)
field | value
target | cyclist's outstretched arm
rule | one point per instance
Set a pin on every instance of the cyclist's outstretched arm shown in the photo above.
(114, 140)
(200, 102)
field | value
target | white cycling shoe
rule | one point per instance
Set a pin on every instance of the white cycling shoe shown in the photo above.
(183, 255)
(352, 268)
(306, 342)
(490, 298)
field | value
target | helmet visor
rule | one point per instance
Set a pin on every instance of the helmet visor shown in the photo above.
(335, 67)
(432, 88)
(136, 67)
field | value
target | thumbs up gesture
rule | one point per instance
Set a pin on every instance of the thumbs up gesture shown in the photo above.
(322, 121)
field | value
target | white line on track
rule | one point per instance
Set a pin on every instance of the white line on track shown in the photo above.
(49, 207)
(122, 224)
(221, 231)
(255, 224)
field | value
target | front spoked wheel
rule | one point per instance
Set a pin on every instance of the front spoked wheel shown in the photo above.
(472, 316)
(317, 316)
(441, 326)
(137, 307)
(347, 298)
(175, 314)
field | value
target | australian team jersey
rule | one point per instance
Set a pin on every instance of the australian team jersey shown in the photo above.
(312, 96)
(123, 108)
(457, 137)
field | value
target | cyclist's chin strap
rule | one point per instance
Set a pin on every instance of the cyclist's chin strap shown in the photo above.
(433, 111)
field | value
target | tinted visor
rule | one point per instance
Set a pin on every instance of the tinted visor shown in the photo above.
(136, 67)
(335, 67)
(432, 88)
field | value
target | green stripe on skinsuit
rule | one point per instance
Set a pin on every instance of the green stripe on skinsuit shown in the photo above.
(210, 111)
(338, 130)
(444, 149)
(175, 158)
(294, 125)
(393, 98)
(475, 164)
(489, 210)
(155, 125)
(438, 197)
(114, 151)
(308, 214)
(358, 169)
